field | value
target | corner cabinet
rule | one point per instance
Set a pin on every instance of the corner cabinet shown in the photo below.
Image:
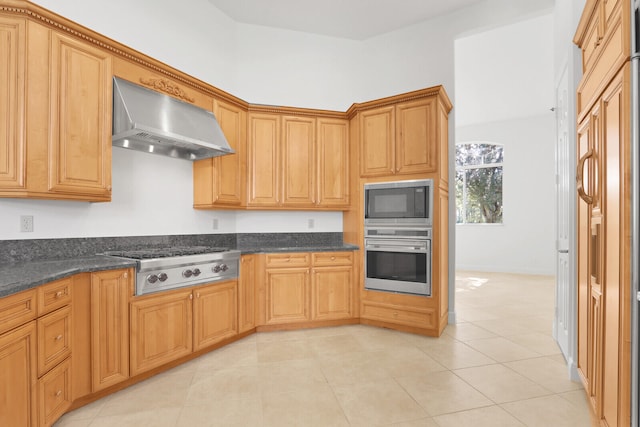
(57, 114)
(297, 162)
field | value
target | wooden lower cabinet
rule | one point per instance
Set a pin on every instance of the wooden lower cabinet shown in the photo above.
(246, 293)
(170, 325)
(18, 377)
(215, 314)
(302, 287)
(54, 393)
(110, 294)
(161, 329)
(54, 339)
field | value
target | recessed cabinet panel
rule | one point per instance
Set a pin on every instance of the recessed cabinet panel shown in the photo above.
(416, 135)
(264, 137)
(377, 141)
(215, 313)
(333, 162)
(298, 168)
(331, 293)
(12, 114)
(287, 295)
(80, 133)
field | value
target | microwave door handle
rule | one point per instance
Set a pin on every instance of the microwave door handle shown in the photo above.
(411, 249)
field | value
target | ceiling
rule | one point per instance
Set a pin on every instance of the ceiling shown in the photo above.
(350, 19)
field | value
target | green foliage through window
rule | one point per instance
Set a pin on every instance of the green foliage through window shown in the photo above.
(479, 183)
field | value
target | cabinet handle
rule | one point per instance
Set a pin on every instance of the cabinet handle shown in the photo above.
(58, 338)
(125, 275)
(197, 294)
(333, 258)
(190, 296)
(58, 393)
(580, 179)
(59, 294)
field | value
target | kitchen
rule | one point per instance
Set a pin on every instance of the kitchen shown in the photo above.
(171, 215)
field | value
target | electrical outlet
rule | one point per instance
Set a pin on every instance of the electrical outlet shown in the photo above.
(311, 223)
(26, 223)
(215, 223)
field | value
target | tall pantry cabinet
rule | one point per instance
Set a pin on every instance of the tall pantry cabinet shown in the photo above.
(603, 186)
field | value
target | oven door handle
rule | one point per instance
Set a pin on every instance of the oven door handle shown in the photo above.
(418, 248)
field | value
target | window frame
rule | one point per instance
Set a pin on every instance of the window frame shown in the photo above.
(464, 185)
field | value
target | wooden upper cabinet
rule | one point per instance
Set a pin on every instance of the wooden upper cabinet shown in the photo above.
(12, 103)
(332, 163)
(416, 133)
(298, 154)
(298, 162)
(80, 127)
(220, 181)
(399, 139)
(377, 141)
(263, 159)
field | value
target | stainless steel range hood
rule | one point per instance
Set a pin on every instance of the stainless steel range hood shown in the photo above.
(145, 120)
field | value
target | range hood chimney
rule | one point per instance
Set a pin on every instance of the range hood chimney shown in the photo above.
(145, 120)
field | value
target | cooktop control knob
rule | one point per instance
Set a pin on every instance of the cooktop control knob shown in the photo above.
(162, 277)
(224, 267)
(152, 278)
(216, 268)
(187, 273)
(196, 272)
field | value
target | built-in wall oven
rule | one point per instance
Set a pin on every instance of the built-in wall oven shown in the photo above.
(398, 217)
(398, 259)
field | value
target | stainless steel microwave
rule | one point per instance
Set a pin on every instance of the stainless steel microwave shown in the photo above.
(399, 203)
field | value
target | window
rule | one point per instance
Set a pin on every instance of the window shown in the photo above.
(479, 183)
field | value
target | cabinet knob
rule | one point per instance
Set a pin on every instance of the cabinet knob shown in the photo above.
(333, 258)
(59, 294)
(58, 338)
(190, 296)
(58, 393)
(125, 275)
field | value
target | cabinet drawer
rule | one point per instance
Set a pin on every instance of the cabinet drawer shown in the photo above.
(416, 317)
(54, 339)
(54, 393)
(17, 309)
(54, 295)
(294, 259)
(332, 258)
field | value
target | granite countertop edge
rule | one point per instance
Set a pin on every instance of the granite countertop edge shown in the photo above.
(20, 277)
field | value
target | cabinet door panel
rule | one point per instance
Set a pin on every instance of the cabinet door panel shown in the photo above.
(298, 168)
(215, 314)
(110, 293)
(264, 162)
(287, 295)
(416, 137)
(377, 142)
(161, 330)
(246, 293)
(12, 115)
(331, 293)
(80, 138)
(18, 377)
(54, 393)
(54, 339)
(333, 163)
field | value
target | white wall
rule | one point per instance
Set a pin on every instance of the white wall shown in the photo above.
(524, 243)
(504, 91)
(260, 65)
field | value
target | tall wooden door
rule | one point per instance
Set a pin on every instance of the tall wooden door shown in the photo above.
(12, 108)
(298, 170)
(263, 160)
(80, 133)
(332, 163)
(110, 293)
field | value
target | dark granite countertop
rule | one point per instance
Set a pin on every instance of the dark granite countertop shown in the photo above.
(22, 276)
(16, 277)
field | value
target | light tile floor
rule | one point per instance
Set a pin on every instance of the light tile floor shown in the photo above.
(498, 366)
